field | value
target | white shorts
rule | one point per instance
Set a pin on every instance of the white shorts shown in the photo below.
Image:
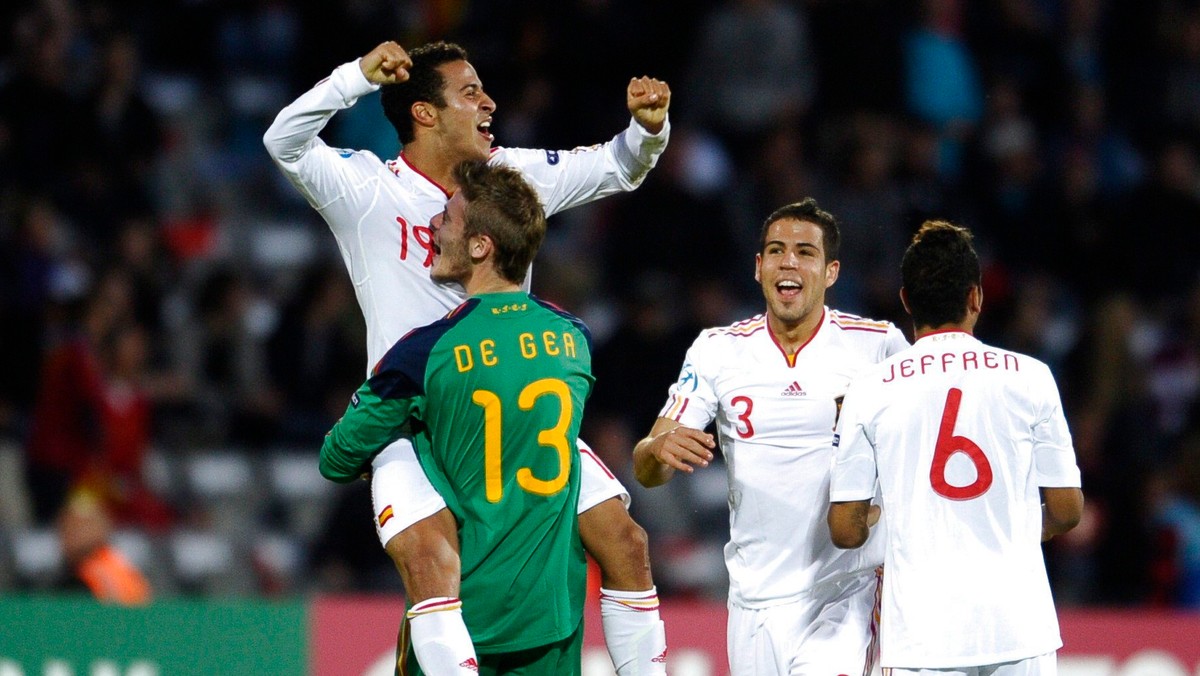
(833, 630)
(401, 494)
(1042, 665)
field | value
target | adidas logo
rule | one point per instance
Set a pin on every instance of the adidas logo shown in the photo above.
(471, 664)
(794, 390)
(662, 657)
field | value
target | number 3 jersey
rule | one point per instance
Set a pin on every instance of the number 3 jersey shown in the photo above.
(961, 436)
(775, 415)
(380, 211)
(494, 393)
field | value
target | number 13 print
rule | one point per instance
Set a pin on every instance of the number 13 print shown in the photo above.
(554, 437)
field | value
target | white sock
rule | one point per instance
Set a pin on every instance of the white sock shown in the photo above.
(440, 638)
(636, 638)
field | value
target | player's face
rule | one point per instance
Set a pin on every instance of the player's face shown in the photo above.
(465, 123)
(793, 271)
(451, 262)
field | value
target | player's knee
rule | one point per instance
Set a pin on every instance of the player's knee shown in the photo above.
(619, 545)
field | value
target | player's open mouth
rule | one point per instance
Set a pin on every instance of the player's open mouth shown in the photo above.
(787, 288)
(484, 130)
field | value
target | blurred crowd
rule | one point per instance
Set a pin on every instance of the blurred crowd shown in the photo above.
(177, 332)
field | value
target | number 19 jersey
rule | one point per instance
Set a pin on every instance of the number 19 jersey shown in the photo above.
(961, 436)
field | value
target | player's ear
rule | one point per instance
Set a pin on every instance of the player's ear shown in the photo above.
(904, 300)
(975, 299)
(831, 272)
(479, 246)
(424, 113)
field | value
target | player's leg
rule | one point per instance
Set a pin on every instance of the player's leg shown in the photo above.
(841, 635)
(420, 535)
(754, 647)
(633, 628)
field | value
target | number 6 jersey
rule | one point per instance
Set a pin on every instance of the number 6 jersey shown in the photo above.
(961, 435)
(494, 393)
(775, 415)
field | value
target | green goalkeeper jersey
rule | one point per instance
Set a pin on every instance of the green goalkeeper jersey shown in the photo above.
(493, 395)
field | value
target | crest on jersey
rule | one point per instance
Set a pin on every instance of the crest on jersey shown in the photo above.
(552, 157)
(354, 400)
(687, 379)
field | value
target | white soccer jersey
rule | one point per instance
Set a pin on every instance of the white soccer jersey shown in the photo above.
(380, 211)
(960, 435)
(775, 416)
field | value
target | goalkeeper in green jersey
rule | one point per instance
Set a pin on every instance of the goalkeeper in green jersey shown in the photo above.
(493, 394)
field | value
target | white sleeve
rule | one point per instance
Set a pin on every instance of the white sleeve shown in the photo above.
(1053, 452)
(853, 470)
(894, 342)
(292, 140)
(691, 400)
(568, 178)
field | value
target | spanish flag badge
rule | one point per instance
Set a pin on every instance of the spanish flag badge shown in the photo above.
(386, 515)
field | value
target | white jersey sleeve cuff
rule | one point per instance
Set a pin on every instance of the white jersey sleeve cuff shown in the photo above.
(637, 150)
(350, 82)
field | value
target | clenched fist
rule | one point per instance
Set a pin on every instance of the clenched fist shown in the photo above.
(648, 100)
(386, 64)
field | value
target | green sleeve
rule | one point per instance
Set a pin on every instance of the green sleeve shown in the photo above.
(368, 426)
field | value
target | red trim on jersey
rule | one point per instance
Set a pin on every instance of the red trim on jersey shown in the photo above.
(426, 176)
(859, 328)
(791, 359)
(589, 453)
(681, 410)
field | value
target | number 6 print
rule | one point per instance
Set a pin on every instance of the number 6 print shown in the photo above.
(947, 445)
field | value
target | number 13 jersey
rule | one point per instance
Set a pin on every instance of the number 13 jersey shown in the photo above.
(961, 436)
(775, 415)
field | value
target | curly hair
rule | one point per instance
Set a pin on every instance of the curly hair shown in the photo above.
(939, 269)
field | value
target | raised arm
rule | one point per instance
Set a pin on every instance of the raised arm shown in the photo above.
(569, 178)
(293, 134)
(669, 447)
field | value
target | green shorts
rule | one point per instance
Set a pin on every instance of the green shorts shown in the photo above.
(561, 658)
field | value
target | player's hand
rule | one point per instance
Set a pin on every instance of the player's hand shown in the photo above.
(648, 100)
(386, 64)
(683, 448)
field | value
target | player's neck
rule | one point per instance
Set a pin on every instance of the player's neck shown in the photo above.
(486, 280)
(791, 336)
(920, 332)
(432, 161)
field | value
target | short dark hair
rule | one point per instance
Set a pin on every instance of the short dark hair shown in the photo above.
(503, 206)
(807, 211)
(938, 271)
(424, 83)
